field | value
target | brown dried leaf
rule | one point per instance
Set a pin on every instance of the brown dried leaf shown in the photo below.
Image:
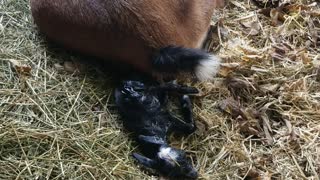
(269, 88)
(314, 13)
(266, 122)
(20, 68)
(266, 176)
(267, 3)
(267, 128)
(293, 135)
(296, 7)
(232, 107)
(253, 174)
(239, 87)
(224, 72)
(277, 57)
(305, 58)
(249, 128)
(283, 52)
(246, 118)
(202, 127)
(277, 17)
(236, 83)
(58, 67)
(314, 36)
(227, 68)
(318, 74)
(251, 27)
(73, 67)
(265, 11)
(69, 66)
(249, 50)
(282, 49)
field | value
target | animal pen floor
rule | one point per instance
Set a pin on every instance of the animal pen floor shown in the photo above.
(259, 118)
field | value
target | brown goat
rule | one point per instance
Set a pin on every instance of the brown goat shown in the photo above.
(155, 36)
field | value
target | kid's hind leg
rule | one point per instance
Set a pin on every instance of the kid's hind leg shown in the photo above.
(186, 109)
(188, 125)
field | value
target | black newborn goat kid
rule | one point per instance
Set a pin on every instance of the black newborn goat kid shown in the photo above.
(145, 114)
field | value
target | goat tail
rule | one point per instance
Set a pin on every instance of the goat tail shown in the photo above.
(174, 59)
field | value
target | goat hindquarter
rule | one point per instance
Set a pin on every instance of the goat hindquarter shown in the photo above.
(127, 31)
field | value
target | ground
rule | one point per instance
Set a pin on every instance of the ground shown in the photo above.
(258, 119)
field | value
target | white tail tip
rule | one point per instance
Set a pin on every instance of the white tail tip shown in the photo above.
(208, 68)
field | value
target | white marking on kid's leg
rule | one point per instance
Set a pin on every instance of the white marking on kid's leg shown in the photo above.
(208, 68)
(175, 82)
(185, 97)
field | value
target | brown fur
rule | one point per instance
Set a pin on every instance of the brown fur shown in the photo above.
(125, 30)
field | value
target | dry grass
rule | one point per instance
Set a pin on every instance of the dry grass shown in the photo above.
(57, 125)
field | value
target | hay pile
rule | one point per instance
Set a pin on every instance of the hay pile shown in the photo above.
(260, 118)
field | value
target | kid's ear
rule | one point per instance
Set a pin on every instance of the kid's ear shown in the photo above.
(152, 140)
(144, 160)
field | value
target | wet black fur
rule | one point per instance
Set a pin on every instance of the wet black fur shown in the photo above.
(144, 113)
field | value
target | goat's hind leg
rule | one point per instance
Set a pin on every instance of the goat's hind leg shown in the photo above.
(188, 126)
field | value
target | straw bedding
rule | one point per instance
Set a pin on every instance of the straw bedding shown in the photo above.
(258, 119)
